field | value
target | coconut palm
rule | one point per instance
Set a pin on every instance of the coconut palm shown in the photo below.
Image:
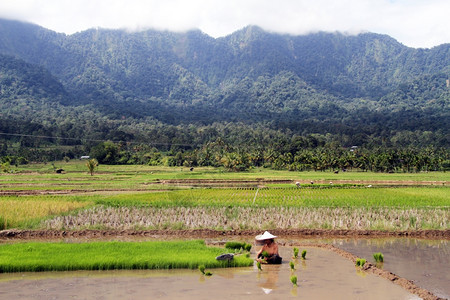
(92, 164)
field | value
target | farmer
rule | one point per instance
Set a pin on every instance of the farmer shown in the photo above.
(270, 247)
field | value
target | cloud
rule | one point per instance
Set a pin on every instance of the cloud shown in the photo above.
(416, 23)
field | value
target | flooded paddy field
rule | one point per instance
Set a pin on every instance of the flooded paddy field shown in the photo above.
(426, 262)
(323, 275)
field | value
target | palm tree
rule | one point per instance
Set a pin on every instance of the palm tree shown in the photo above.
(92, 164)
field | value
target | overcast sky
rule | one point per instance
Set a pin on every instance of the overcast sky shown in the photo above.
(415, 23)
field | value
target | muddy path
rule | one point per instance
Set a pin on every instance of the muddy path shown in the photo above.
(210, 233)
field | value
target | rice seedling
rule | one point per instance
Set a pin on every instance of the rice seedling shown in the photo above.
(258, 264)
(291, 264)
(379, 257)
(265, 254)
(294, 280)
(201, 268)
(304, 254)
(360, 262)
(238, 246)
(295, 252)
(36, 257)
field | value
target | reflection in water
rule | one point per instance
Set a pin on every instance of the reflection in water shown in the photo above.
(360, 272)
(294, 291)
(268, 278)
(304, 264)
(201, 278)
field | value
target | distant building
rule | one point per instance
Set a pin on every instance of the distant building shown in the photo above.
(85, 157)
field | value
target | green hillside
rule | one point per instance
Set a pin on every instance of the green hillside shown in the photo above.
(165, 89)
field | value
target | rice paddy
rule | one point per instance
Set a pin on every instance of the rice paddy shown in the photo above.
(38, 256)
(16, 212)
(234, 218)
(144, 197)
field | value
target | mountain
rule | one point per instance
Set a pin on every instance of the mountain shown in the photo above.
(358, 86)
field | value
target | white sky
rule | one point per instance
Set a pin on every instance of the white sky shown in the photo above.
(415, 23)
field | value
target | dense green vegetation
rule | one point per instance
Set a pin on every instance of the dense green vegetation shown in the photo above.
(151, 91)
(39, 256)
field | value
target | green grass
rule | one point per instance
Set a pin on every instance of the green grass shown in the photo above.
(39, 256)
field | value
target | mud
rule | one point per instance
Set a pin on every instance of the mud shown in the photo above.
(323, 275)
(210, 233)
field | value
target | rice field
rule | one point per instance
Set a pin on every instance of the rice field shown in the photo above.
(140, 177)
(355, 207)
(145, 197)
(16, 212)
(405, 197)
(40, 256)
(235, 218)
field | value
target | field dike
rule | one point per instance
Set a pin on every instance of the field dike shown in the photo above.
(239, 218)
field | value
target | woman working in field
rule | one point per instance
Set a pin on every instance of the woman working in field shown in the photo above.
(269, 252)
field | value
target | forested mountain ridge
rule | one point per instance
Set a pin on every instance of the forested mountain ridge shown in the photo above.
(169, 87)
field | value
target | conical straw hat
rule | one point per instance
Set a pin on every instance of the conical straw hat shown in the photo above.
(265, 236)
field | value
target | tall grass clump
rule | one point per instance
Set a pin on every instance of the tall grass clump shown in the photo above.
(36, 257)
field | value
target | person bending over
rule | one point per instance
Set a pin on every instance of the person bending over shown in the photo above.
(269, 251)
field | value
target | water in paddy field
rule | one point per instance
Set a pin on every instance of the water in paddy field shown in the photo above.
(323, 275)
(425, 262)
